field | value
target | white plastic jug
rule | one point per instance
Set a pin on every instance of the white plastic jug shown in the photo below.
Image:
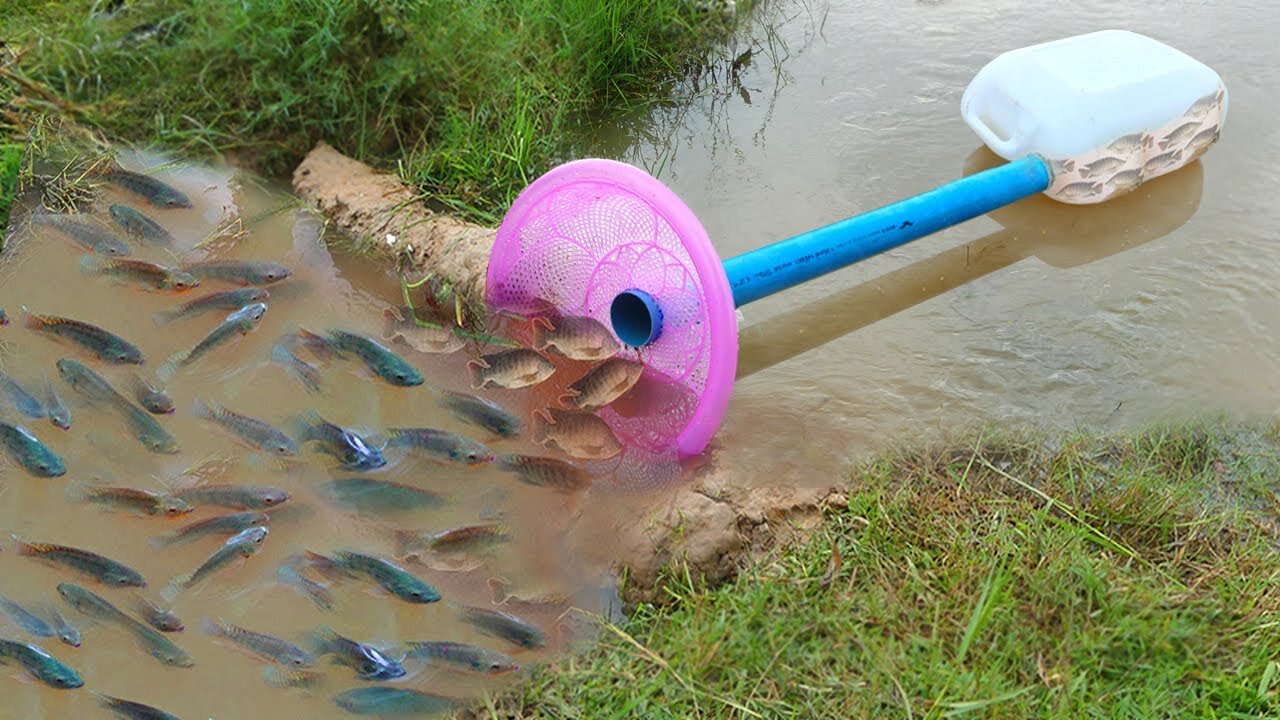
(1108, 110)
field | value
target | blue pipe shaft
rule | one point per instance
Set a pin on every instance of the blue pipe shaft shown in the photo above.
(798, 259)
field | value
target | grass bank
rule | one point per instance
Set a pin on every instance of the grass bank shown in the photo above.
(467, 99)
(1130, 577)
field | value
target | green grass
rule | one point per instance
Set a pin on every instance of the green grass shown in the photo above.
(1132, 577)
(467, 99)
(10, 163)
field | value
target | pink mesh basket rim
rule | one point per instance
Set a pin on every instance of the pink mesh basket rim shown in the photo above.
(717, 299)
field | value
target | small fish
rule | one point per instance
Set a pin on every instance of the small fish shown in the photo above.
(96, 388)
(378, 496)
(146, 430)
(1179, 134)
(468, 538)
(104, 570)
(67, 633)
(305, 372)
(467, 657)
(442, 444)
(510, 369)
(483, 413)
(240, 322)
(158, 617)
(1101, 167)
(368, 662)
(57, 410)
(159, 194)
(220, 525)
(377, 357)
(257, 433)
(26, 619)
(545, 472)
(41, 664)
(93, 605)
(26, 449)
(143, 501)
(241, 545)
(145, 272)
(131, 710)
(1203, 139)
(1127, 145)
(425, 338)
(89, 235)
(223, 300)
(393, 578)
(24, 401)
(577, 338)
(240, 272)
(605, 383)
(107, 346)
(505, 626)
(1161, 162)
(289, 574)
(579, 434)
(1201, 107)
(239, 497)
(158, 646)
(268, 647)
(88, 383)
(155, 400)
(1062, 167)
(138, 225)
(351, 450)
(1126, 180)
(1080, 189)
(387, 700)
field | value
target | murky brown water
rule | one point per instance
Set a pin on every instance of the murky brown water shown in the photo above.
(1163, 305)
(226, 682)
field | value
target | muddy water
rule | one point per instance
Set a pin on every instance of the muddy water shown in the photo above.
(236, 217)
(1160, 306)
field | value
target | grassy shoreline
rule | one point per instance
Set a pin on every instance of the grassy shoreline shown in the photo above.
(1128, 576)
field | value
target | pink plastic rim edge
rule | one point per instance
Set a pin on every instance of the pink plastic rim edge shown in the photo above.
(723, 361)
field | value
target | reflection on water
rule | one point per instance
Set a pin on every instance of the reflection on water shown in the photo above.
(525, 569)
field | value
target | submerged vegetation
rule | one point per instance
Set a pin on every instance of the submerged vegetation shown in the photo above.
(1105, 577)
(466, 100)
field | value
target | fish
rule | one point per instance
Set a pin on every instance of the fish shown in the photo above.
(441, 444)
(105, 345)
(220, 525)
(143, 501)
(27, 450)
(158, 617)
(577, 338)
(240, 272)
(351, 450)
(92, 604)
(241, 545)
(159, 646)
(148, 273)
(1203, 139)
(257, 433)
(88, 383)
(1101, 167)
(1062, 167)
(368, 662)
(423, 337)
(579, 434)
(131, 710)
(1161, 162)
(91, 564)
(378, 496)
(467, 657)
(505, 626)
(239, 497)
(26, 619)
(467, 538)
(146, 430)
(393, 578)
(303, 371)
(1080, 189)
(483, 413)
(159, 194)
(67, 633)
(1179, 134)
(222, 300)
(605, 383)
(24, 401)
(57, 410)
(90, 235)
(96, 388)
(1204, 105)
(267, 647)
(1131, 143)
(1126, 180)
(378, 358)
(137, 225)
(510, 369)
(240, 322)
(150, 396)
(388, 700)
(545, 472)
(289, 574)
(41, 664)
(281, 677)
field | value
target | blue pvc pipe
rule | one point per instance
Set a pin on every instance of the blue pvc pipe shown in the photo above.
(789, 262)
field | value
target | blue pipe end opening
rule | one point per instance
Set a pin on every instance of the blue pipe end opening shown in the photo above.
(636, 318)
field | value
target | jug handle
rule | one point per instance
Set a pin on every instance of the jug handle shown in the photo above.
(1005, 147)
